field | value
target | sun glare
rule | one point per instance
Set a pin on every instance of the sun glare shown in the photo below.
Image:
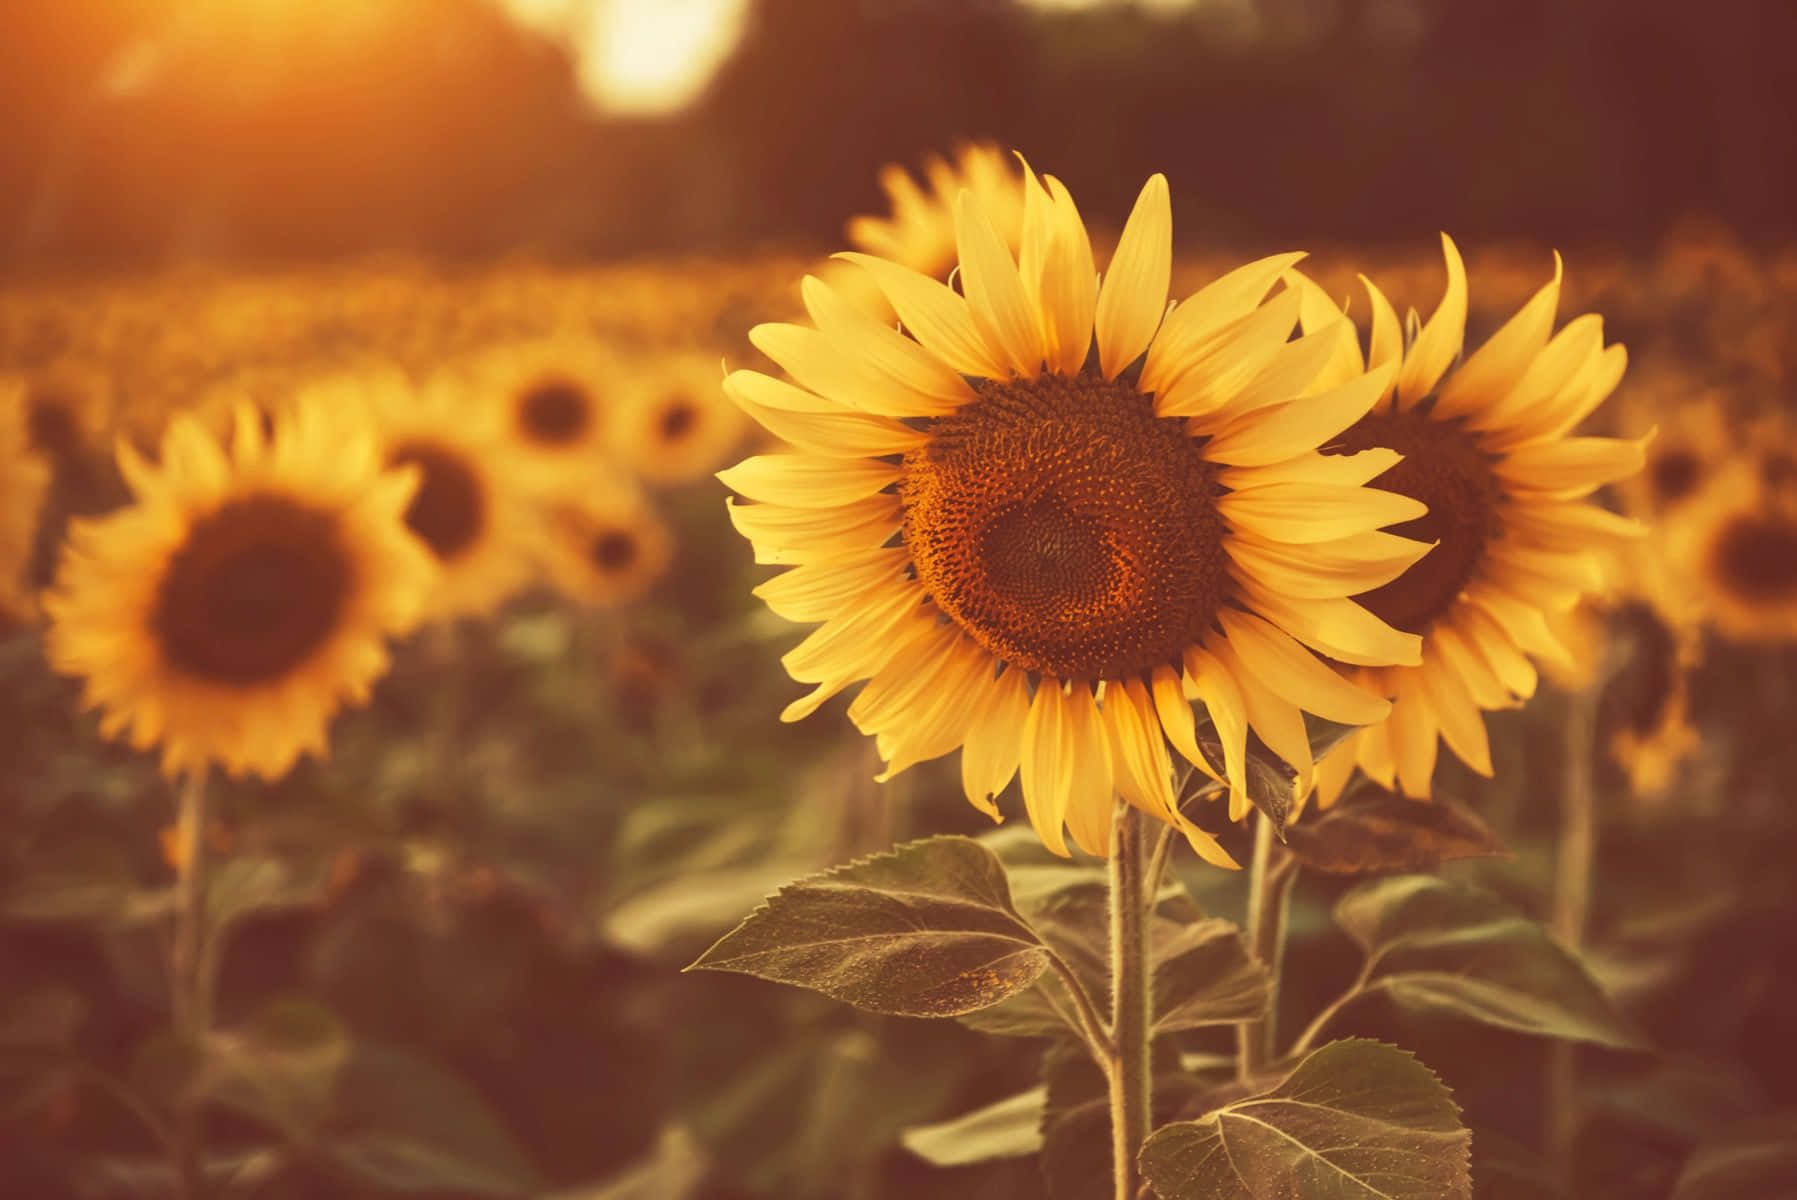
(639, 56)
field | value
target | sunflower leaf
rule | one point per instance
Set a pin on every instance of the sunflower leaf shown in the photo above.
(1357, 1119)
(1374, 831)
(1204, 975)
(1008, 1128)
(1758, 1158)
(925, 930)
(1443, 946)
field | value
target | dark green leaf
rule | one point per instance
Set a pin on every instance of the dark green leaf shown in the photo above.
(1204, 975)
(245, 886)
(1374, 832)
(86, 880)
(282, 1067)
(411, 1126)
(1439, 945)
(41, 1018)
(1504, 1169)
(1008, 1128)
(1757, 1160)
(1076, 1116)
(926, 930)
(1357, 1120)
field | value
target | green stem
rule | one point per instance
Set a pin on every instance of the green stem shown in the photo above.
(1269, 887)
(191, 997)
(1131, 1078)
(1572, 902)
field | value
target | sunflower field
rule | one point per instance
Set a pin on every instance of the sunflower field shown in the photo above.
(1040, 680)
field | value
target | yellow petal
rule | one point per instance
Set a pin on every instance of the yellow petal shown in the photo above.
(934, 315)
(1323, 570)
(1133, 297)
(803, 481)
(1069, 295)
(1047, 784)
(1188, 331)
(995, 296)
(938, 388)
(1295, 674)
(1500, 363)
(989, 757)
(1086, 759)
(1316, 512)
(799, 535)
(819, 590)
(1438, 345)
(1341, 629)
(1284, 431)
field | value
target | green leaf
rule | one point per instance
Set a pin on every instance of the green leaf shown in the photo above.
(85, 880)
(925, 930)
(41, 1018)
(410, 1126)
(282, 1067)
(1204, 975)
(1444, 946)
(1374, 832)
(1758, 1159)
(248, 885)
(1076, 1116)
(1504, 1169)
(1008, 1128)
(1357, 1120)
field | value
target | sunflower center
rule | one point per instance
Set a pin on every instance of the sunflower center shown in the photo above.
(555, 412)
(613, 550)
(1444, 468)
(677, 419)
(449, 509)
(256, 589)
(1673, 475)
(1756, 556)
(1066, 527)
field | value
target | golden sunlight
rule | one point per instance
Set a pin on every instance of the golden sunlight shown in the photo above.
(640, 56)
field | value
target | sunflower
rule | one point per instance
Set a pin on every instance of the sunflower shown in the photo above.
(1039, 552)
(1695, 440)
(920, 232)
(607, 548)
(1738, 549)
(673, 425)
(1647, 729)
(24, 478)
(472, 509)
(1486, 447)
(246, 595)
(553, 399)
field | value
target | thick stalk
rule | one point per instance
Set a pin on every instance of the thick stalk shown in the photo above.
(1572, 901)
(1131, 1078)
(1269, 879)
(190, 998)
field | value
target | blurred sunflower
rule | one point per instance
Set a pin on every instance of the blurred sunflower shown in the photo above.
(919, 232)
(1040, 554)
(1738, 549)
(607, 547)
(1647, 731)
(674, 425)
(471, 508)
(245, 596)
(24, 478)
(1486, 447)
(554, 400)
(1695, 440)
